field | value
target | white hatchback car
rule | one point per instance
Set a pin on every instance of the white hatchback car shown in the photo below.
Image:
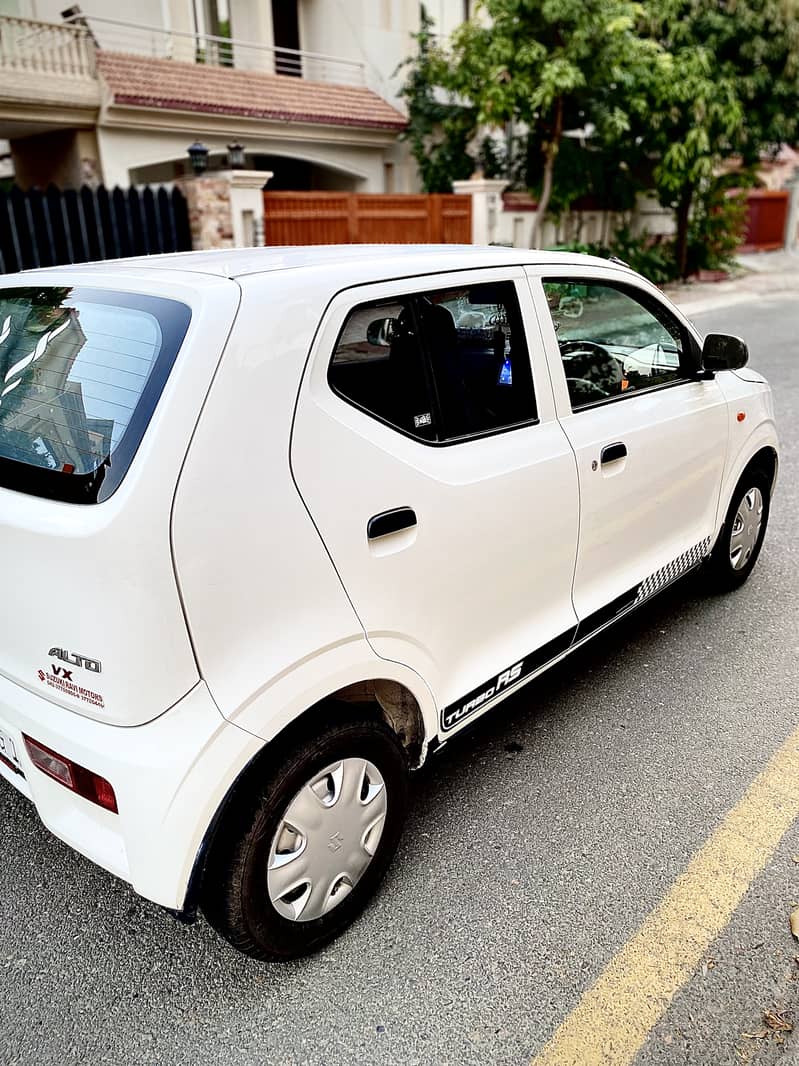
(279, 523)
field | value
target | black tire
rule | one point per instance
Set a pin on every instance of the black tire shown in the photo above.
(235, 896)
(723, 575)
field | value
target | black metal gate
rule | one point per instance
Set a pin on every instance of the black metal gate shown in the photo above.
(40, 229)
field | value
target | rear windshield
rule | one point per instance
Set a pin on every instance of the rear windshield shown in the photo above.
(80, 373)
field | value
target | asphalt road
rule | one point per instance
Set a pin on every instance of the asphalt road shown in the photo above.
(535, 848)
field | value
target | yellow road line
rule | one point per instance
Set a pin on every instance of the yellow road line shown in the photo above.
(616, 1014)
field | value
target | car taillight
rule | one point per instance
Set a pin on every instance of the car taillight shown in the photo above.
(76, 778)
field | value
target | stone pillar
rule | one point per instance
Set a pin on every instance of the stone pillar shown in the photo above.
(91, 172)
(247, 206)
(486, 194)
(226, 208)
(208, 200)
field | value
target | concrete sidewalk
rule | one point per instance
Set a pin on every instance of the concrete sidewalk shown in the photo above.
(761, 274)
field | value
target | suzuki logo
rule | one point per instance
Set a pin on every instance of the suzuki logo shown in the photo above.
(336, 842)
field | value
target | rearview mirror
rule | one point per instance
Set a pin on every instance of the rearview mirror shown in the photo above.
(381, 331)
(721, 351)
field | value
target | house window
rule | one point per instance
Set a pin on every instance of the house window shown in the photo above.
(212, 20)
(286, 36)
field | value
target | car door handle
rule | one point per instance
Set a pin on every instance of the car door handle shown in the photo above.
(611, 452)
(380, 525)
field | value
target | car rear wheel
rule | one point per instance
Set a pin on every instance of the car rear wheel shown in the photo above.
(741, 537)
(301, 852)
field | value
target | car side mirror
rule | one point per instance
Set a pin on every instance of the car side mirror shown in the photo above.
(381, 331)
(721, 351)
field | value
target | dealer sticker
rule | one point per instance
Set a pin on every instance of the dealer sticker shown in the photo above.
(60, 679)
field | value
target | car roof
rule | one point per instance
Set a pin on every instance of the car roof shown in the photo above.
(368, 261)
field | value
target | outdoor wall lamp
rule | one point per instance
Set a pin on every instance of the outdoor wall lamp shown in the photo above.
(198, 155)
(235, 156)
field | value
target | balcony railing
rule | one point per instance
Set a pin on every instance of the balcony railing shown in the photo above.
(46, 48)
(117, 35)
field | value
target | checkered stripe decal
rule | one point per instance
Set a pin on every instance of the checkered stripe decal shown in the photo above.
(657, 581)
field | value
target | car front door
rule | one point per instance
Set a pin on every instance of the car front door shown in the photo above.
(427, 451)
(648, 434)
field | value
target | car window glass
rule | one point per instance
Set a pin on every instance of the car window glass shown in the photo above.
(611, 343)
(378, 365)
(438, 365)
(77, 384)
(475, 342)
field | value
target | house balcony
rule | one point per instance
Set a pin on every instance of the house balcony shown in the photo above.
(108, 97)
(67, 50)
(71, 68)
(47, 71)
(132, 38)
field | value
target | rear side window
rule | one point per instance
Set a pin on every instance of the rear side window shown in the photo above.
(379, 366)
(80, 373)
(440, 365)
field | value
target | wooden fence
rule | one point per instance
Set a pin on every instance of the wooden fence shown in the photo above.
(766, 217)
(40, 229)
(366, 218)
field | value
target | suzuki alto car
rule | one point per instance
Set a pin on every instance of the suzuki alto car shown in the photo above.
(278, 523)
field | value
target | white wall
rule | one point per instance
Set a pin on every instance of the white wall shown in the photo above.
(124, 150)
(149, 12)
(515, 227)
(251, 21)
(375, 32)
(447, 14)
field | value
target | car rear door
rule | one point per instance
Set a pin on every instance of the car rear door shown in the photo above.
(428, 453)
(649, 436)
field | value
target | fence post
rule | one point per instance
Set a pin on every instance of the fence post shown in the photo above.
(791, 235)
(352, 218)
(247, 206)
(486, 194)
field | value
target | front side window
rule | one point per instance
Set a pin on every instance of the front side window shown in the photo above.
(611, 342)
(439, 365)
(80, 373)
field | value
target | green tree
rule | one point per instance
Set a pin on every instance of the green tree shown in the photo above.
(439, 128)
(726, 85)
(548, 66)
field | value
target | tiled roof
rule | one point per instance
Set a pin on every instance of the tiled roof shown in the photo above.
(164, 83)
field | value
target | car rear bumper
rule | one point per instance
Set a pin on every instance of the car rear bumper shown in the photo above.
(169, 776)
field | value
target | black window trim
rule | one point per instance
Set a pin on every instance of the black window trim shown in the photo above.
(690, 349)
(464, 438)
(96, 487)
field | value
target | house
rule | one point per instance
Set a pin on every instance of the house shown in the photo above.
(113, 95)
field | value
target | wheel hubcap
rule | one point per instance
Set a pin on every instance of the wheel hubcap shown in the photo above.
(746, 528)
(326, 839)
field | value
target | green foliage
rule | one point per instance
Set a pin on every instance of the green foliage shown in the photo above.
(726, 84)
(588, 173)
(652, 257)
(717, 224)
(520, 58)
(666, 93)
(493, 157)
(550, 66)
(439, 130)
